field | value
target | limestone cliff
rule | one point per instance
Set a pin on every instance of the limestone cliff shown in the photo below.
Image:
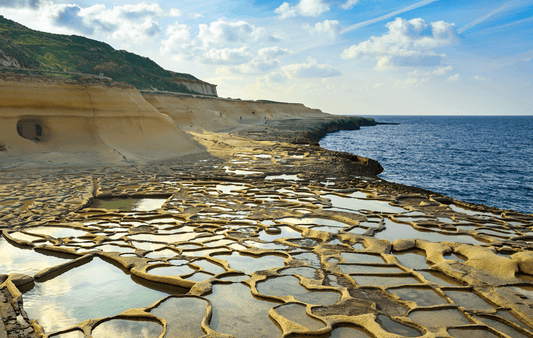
(197, 86)
(217, 114)
(90, 121)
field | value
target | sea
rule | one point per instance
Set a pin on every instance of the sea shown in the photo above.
(480, 159)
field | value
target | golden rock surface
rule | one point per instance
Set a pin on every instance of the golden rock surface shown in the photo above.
(241, 237)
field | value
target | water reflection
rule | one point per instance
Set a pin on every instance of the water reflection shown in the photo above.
(84, 292)
(27, 261)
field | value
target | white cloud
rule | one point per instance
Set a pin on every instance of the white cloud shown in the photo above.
(455, 77)
(310, 69)
(226, 56)
(303, 8)
(327, 26)
(266, 61)
(220, 33)
(178, 40)
(195, 15)
(349, 4)
(174, 12)
(480, 78)
(273, 52)
(128, 23)
(407, 43)
(439, 71)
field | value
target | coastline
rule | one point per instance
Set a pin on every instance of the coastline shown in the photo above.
(262, 189)
(482, 160)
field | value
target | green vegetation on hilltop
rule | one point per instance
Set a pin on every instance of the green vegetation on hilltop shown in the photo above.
(77, 54)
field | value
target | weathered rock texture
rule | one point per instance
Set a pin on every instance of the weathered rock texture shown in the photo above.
(112, 122)
(198, 86)
(217, 114)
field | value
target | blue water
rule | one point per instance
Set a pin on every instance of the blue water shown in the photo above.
(480, 159)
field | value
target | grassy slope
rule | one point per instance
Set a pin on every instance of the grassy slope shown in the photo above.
(77, 54)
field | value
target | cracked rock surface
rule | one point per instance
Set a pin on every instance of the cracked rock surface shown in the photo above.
(255, 239)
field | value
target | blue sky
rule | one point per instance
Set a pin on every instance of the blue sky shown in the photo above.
(356, 57)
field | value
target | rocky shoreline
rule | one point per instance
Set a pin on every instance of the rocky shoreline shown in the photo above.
(258, 232)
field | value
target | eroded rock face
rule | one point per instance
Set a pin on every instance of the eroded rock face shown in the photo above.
(108, 122)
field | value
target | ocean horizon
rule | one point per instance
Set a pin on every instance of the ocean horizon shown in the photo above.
(479, 159)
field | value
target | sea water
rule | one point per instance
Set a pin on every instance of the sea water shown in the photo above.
(479, 159)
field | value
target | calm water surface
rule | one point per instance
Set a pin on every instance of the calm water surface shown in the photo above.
(480, 159)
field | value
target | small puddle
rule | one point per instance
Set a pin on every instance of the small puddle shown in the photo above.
(421, 296)
(331, 230)
(350, 257)
(198, 277)
(507, 315)
(197, 253)
(249, 264)
(440, 278)
(58, 232)
(357, 231)
(384, 280)
(470, 212)
(468, 300)
(502, 327)
(471, 333)
(309, 258)
(305, 242)
(447, 317)
(129, 204)
(84, 292)
(395, 231)
(361, 269)
(267, 246)
(26, 261)
(313, 221)
(348, 332)
(286, 232)
(209, 267)
(161, 254)
(303, 271)
(237, 312)
(296, 313)
(229, 188)
(163, 238)
(397, 328)
(242, 172)
(171, 270)
(284, 177)
(290, 286)
(358, 194)
(114, 248)
(413, 260)
(127, 328)
(184, 316)
(360, 204)
(23, 237)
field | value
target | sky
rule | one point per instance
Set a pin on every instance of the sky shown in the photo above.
(347, 57)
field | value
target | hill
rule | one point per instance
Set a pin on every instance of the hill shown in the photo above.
(69, 55)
